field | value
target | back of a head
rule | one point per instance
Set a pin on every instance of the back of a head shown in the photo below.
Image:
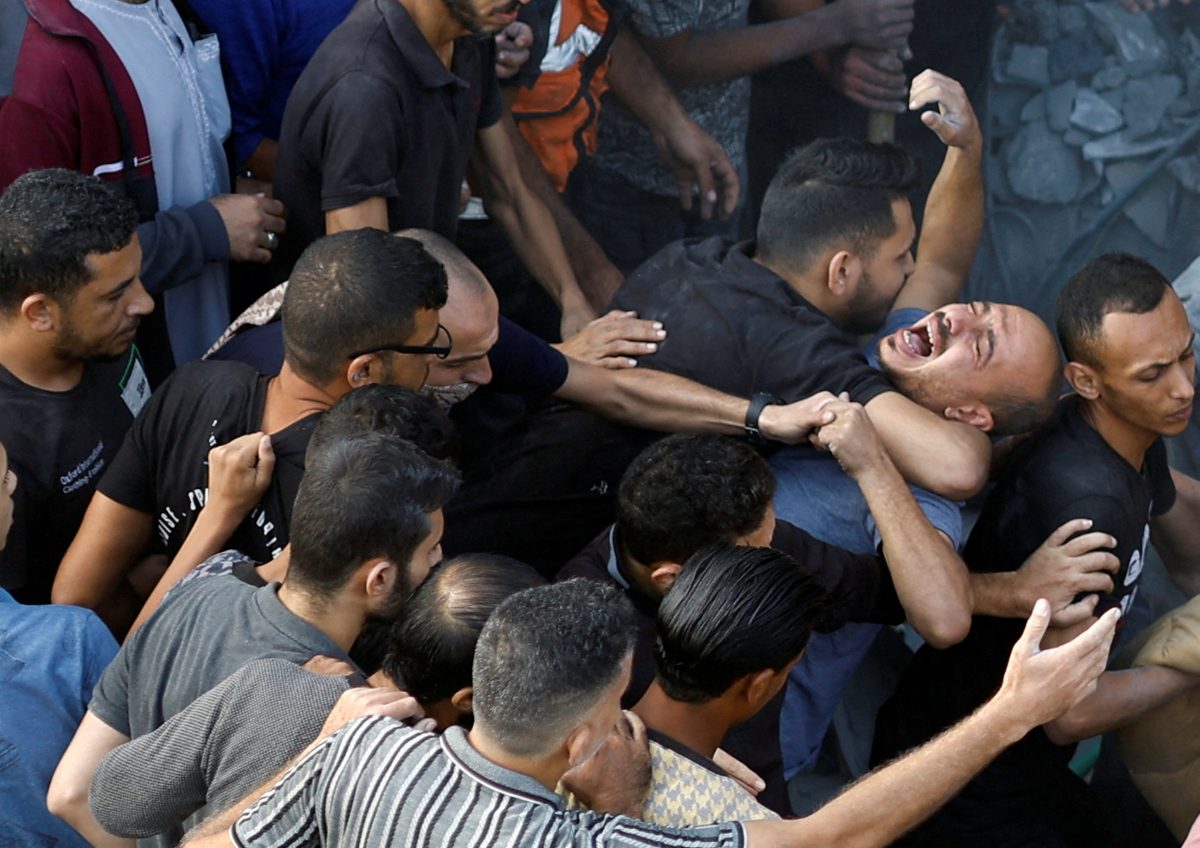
(363, 496)
(832, 193)
(355, 290)
(545, 658)
(1114, 282)
(50, 221)
(733, 611)
(433, 644)
(688, 491)
(390, 410)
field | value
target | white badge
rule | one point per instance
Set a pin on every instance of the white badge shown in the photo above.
(136, 390)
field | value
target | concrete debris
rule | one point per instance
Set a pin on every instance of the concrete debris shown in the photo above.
(1095, 114)
(1059, 102)
(1034, 108)
(1109, 77)
(1146, 102)
(1139, 45)
(1186, 169)
(1119, 146)
(1041, 167)
(1030, 65)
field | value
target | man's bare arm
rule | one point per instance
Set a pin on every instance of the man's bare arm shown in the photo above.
(68, 794)
(953, 224)
(692, 58)
(110, 540)
(930, 578)
(946, 457)
(656, 400)
(598, 277)
(529, 225)
(1038, 685)
(371, 212)
(695, 157)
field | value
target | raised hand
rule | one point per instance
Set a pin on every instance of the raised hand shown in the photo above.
(954, 122)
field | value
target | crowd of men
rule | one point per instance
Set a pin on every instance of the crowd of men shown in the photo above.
(414, 432)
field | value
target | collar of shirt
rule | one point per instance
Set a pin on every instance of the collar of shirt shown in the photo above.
(418, 52)
(497, 778)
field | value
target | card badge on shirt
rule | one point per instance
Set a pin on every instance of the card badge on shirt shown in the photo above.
(135, 387)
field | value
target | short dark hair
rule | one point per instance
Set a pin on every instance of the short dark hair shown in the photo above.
(733, 611)
(1114, 282)
(355, 290)
(832, 190)
(544, 658)
(688, 491)
(364, 496)
(391, 410)
(1014, 413)
(50, 221)
(433, 644)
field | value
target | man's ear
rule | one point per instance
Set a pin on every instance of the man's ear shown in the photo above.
(975, 413)
(759, 686)
(41, 313)
(845, 271)
(381, 576)
(464, 700)
(364, 370)
(663, 575)
(580, 745)
(1083, 379)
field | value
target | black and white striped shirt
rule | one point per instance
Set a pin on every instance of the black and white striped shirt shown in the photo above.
(378, 783)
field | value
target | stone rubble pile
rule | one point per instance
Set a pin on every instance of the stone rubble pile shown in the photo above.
(1084, 96)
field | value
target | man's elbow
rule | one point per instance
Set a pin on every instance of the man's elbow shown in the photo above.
(68, 799)
(946, 631)
(1065, 730)
(960, 481)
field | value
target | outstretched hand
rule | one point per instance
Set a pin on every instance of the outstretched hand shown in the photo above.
(613, 339)
(1040, 685)
(954, 122)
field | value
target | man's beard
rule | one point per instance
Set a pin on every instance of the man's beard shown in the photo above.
(448, 396)
(470, 20)
(69, 345)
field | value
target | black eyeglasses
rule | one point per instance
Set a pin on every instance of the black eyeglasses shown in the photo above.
(441, 351)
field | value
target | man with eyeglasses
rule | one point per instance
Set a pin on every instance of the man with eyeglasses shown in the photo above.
(347, 323)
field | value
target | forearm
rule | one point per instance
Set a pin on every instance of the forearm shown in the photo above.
(945, 457)
(892, 800)
(582, 251)
(110, 540)
(999, 594)
(929, 577)
(654, 400)
(700, 58)
(635, 80)
(1120, 698)
(951, 232)
(208, 536)
(261, 163)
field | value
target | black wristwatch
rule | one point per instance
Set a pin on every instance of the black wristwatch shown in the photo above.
(758, 403)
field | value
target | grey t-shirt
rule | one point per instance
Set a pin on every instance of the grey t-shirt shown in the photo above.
(199, 636)
(721, 108)
(231, 739)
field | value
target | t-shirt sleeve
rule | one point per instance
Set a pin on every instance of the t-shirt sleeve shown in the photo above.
(1110, 515)
(351, 137)
(525, 364)
(131, 478)
(110, 698)
(797, 363)
(859, 587)
(943, 514)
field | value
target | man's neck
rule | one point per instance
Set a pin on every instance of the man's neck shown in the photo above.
(340, 623)
(435, 22)
(546, 772)
(1129, 441)
(813, 290)
(700, 727)
(290, 398)
(29, 360)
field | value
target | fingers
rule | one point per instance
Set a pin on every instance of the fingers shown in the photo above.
(328, 666)
(1076, 613)
(1066, 531)
(1035, 628)
(1093, 581)
(1087, 543)
(635, 727)
(266, 456)
(726, 177)
(707, 187)
(1097, 639)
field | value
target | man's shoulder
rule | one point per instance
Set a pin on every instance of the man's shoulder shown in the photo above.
(209, 383)
(1068, 459)
(592, 561)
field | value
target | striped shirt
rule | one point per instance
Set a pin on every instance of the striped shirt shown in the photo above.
(379, 783)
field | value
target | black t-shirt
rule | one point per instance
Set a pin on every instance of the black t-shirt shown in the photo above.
(1067, 472)
(58, 445)
(859, 588)
(162, 468)
(736, 326)
(376, 114)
